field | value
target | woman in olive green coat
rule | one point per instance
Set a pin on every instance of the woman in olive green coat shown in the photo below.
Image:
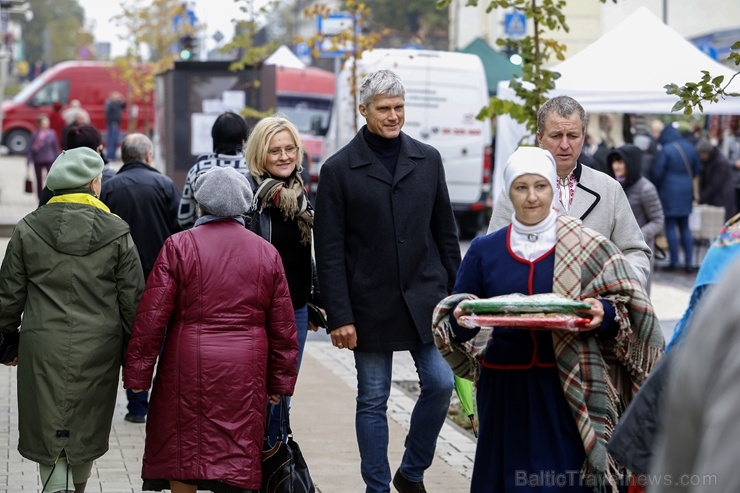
(72, 272)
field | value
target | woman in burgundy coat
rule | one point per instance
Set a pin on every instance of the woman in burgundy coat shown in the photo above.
(218, 298)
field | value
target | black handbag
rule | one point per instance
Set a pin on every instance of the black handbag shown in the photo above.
(284, 469)
(29, 182)
(9, 346)
(316, 317)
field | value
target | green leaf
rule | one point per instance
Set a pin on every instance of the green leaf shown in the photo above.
(718, 80)
(678, 106)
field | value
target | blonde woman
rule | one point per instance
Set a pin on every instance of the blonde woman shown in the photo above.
(282, 212)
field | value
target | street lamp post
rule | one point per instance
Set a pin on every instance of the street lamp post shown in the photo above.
(8, 7)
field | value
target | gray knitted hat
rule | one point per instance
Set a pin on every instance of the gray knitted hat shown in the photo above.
(223, 191)
(74, 168)
(703, 145)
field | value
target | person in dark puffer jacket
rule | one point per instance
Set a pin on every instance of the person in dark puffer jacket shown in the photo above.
(625, 165)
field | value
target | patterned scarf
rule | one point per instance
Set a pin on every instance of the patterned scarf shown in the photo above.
(599, 377)
(289, 197)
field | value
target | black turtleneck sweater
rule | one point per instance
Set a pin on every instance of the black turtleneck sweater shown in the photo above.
(386, 150)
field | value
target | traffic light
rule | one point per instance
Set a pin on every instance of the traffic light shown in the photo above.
(511, 51)
(187, 47)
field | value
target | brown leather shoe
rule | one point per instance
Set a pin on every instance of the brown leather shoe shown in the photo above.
(403, 485)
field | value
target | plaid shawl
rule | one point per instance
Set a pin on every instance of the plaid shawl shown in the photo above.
(599, 377)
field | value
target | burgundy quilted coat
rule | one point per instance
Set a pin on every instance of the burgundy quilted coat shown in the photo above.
(220, 291)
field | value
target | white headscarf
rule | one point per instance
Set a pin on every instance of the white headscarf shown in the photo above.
(531, 242)
(531, 160)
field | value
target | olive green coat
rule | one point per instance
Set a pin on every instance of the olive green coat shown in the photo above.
(72, 270)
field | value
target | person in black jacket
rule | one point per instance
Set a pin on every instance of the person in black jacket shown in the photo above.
(148, 201)
(114, 106)
(716, 182)
(387, 252)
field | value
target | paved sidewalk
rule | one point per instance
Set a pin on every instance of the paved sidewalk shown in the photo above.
(322, 421)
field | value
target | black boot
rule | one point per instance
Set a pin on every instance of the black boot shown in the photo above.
(403, 485)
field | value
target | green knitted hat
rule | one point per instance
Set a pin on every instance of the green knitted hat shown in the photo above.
(74, 168)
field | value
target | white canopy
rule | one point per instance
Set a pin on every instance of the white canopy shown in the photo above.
(284, 57)
(624, 71)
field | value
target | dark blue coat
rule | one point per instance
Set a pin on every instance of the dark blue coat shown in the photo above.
(670, 173)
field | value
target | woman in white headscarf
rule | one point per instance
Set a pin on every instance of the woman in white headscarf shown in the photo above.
(548, 399)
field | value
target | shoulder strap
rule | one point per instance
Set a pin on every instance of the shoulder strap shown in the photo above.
(685, 160)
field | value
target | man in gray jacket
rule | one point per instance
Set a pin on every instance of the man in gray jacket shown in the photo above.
(592, 196)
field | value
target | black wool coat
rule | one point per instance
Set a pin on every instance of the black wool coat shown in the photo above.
(717, 183)
(148, 201)
(386, 246)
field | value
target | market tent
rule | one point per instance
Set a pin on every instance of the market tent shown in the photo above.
(498, 68)
(284, 57)
(624, 71)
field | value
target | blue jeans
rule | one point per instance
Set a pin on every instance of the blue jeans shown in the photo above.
(114, 131)
(137, 402)
(301, 322)
(687, 242)
(371, 422)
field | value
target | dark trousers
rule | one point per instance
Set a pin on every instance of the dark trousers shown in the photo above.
(138, 402)
(687, 241)
(38, 167)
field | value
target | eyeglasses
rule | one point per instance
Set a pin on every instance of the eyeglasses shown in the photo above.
(277, 152)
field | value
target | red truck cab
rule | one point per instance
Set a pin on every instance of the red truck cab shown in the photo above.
(89, 82)
(305, 96)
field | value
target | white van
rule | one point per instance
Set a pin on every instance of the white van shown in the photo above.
(444, 93)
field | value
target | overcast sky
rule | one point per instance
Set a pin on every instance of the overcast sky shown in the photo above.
(216, 14)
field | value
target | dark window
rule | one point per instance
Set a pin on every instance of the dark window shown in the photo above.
(54, 92)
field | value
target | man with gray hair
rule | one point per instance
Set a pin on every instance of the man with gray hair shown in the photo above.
(148, 201)
(594, 197)
(387, 252)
